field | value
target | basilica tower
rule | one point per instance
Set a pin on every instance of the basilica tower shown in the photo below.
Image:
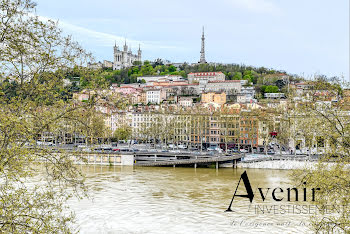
(124, 58)
(139, 54)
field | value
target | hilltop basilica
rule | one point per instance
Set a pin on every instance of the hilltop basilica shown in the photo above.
(124, 58)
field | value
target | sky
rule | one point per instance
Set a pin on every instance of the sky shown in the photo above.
(303, 37)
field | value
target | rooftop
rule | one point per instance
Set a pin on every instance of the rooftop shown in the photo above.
(225, 81)
(206, 73)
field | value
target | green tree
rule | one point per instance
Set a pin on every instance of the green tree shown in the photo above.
(269, 89)
(147, 69)
(122, 133)
(328, 126)
(172, 68)
(36, 55)
(237, 76)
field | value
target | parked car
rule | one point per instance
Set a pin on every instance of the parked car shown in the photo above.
(81, 146)
(270, 152)
(232, 151)
(218, 149)
(182, 147)
(243, 151)
(86, 150)
(126, 150)
(48, 143)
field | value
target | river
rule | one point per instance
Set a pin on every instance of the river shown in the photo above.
(181, 200)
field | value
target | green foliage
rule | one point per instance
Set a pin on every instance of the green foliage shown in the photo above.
(326, 126)
(237, 76)
(122, 133)
(136, 63)
(269, 89)
(129, 75)
(172, 68)
(34, 100)
(147, 70)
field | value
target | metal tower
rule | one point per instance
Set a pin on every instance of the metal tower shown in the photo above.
(202, 58)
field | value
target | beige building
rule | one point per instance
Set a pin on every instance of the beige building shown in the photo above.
(210, 76)
(142, 98)
(97, 65)
(165, 78)
(227, 86)
(107, 63)
(212, 97)
(83, 95)
(155, 96)
(185, 101)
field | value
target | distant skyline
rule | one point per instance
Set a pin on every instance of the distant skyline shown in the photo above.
(300, 37)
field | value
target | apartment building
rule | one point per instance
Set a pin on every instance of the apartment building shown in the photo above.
(227, 86)
(185, 101)
(155, 96)
(210, 76)
(211, 97)
(249, 130)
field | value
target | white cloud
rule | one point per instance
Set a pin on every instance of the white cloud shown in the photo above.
(105, 39)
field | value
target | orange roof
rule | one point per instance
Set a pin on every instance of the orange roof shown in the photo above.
(225, 81)
(206, 73)
(176, 85)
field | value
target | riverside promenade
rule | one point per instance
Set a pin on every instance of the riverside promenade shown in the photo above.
(173, 159)
(152, 159)
(194, 159)
(280, 162)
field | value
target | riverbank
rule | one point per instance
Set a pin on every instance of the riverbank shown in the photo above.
(287, 164)
(278, 164)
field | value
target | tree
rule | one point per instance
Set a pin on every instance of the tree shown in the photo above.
(147, 69)
(36, 56)
(271, 89)
(172, 68)
(136, 63)
(330, 124)
(266, 126)
(122, 133)
(92, 125)
(237, 76)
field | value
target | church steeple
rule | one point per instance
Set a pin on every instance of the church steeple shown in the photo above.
(202, 57)
(139, 54)
(124, 57)
(115, 47)
(125, 46)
